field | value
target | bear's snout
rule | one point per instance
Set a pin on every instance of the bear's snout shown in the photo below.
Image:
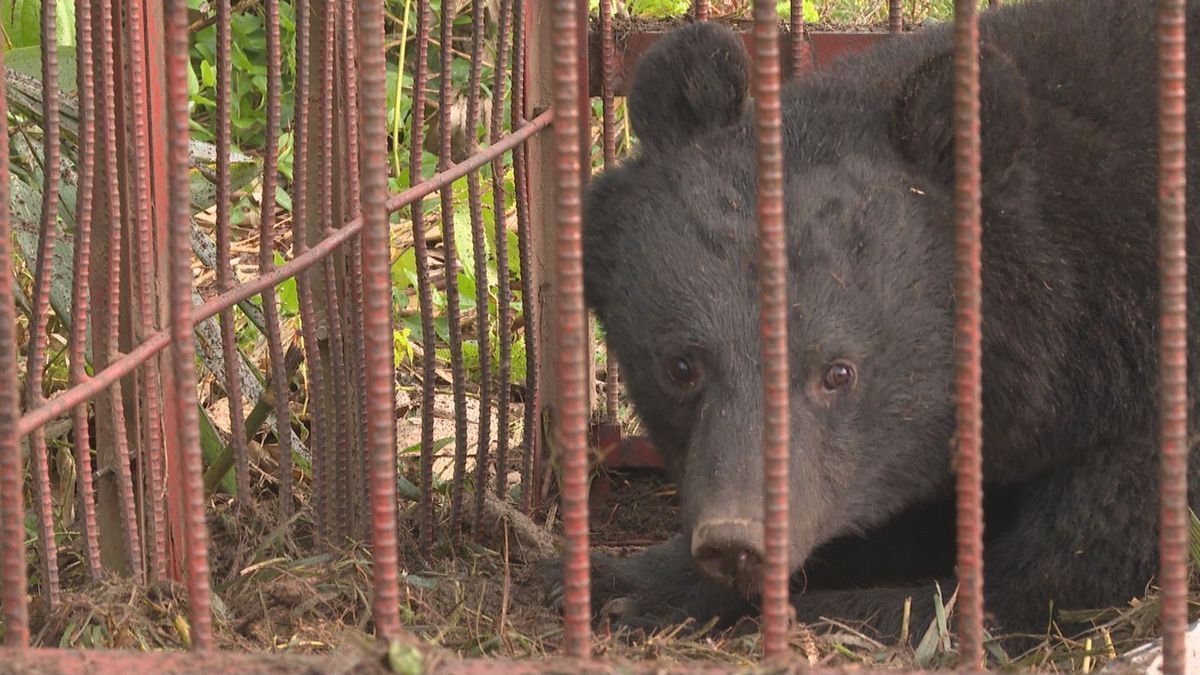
(730, 551)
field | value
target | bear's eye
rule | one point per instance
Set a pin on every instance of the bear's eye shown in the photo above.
(681, 372)
(837, 375)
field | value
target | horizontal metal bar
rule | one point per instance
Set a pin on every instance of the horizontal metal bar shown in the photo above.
(120, 367)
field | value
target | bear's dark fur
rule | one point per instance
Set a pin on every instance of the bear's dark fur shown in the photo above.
(1070, 318)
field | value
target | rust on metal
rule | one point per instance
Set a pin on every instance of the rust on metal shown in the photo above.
(153, 494)
(319, 417)
(896, 16)
(12, 507)
(700, 10)
(799, 53)
(630, 452)
(225, 281)
(41, 301)
(530, 445)
(81, 290)
(609, 137)
(503, 291)
(63, 401)
(570, 325)
(1173, 365)
(338, 387)
(479, 250)
(424, 287)
(353, 196)
(772, 290)
(180, 301)
(377, 312)
(266, 262)
(108, 327)
(450, 263)
(967, 348)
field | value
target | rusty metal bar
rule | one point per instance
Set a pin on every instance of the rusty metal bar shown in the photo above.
(700, 10)
(450, 262)
(151, 387)
(160, 183)
(479, 247)
(503, 292)
(381, 428)
(225, 281)
(797, 38)
(41, 300)
(338, 389)
(967, 349)
(81, 291)
(896, 16)
(317, 400)
(772, 280)
(569, 322)
(128, 275)
(266, 261)
(530, 446)
(424, 285)
(1173, 268)
(612, 385)
(12, 505)
(353, 209)
(110, 303)
(155, 343)
(182, 323)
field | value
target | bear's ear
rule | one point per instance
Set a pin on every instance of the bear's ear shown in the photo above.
(692, 80)
(923, 119)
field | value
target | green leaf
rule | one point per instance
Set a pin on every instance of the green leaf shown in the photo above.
(28, 61)
(211, 448)
(289, 303)
(22, 22)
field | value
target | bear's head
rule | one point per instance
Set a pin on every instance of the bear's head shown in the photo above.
(670, 246)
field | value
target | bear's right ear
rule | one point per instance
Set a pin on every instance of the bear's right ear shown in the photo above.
(692, 80)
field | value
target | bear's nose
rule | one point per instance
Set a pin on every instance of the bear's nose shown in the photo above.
(729, 551)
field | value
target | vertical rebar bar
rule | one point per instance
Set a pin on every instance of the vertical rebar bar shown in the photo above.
(503, 291)
(612, 386)
(381, 429)
(156, 534)
(41, 301)
(450, 256)
(772, 282)
(229, 349)
(13, 583)
(81, 290)
(530, 445)
(570, 325)
(338, 387)
(266, 262)
(180, 299)
(111, 303)
(424, 284)
(968, 298)
(1173, 365)
(349, 79)
(320, 442)
(479, 249)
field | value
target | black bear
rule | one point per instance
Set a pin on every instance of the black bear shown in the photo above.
(1070, 329)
